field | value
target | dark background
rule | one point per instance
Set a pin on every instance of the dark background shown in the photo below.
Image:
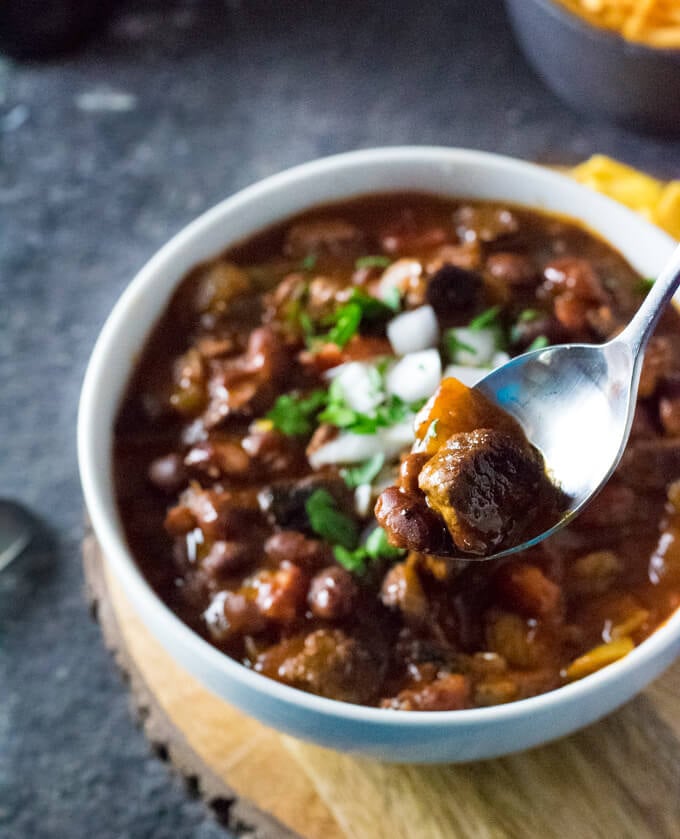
(106, 153)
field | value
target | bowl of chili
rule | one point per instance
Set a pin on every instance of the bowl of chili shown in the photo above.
(287, 335)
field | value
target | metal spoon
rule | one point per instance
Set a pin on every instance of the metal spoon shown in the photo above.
(576, 402)
(16, 531)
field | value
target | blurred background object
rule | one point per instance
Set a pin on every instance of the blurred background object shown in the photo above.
(597, 70)
(42, 28)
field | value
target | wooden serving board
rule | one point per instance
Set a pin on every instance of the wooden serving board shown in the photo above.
(618, 778)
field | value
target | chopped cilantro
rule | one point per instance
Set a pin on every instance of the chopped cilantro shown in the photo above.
(329, 522)
(294, 415)
(344, 322)
(393, 411)
(485, 319)
(373, 262)
(364, 472)
(309, 262)
(644, 285)
(538, 343)
(354, 561)
(528, 315)
(375, 547)
(453, 344)
(392, 299)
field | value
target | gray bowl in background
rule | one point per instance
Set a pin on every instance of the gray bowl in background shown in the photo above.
(598, 71)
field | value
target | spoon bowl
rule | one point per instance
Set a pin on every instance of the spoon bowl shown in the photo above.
(575, 402)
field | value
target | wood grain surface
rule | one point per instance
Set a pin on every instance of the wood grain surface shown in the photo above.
(618, 778)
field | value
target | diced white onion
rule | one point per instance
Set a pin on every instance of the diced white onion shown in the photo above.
(499, 358)
(398, 275)
(415, 376)
(360, 385)
(349, 447)
(469, 376)
(413, 331)
(363, 496)
(482, 343)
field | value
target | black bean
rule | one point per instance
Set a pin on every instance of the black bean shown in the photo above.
(452, 288)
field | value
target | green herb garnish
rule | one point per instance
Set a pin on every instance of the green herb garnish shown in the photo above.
(374, 548)
(329, 522)
(528, 315)
(344, 322)
(373, 262)
(644, 285)
(309, 262)
(294, 415)
(485, 319)
(363, 473)
(454, 345)
(393, 411)
(538, 343)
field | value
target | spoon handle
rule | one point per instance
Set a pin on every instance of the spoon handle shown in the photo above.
(641, 327)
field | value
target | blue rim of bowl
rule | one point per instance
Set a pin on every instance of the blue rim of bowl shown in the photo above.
(599, 34)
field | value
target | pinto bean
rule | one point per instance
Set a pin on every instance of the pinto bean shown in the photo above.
(484, 223)
(332, 593)
(335, 237)
(280, 595)
(514, 269)
(232, 613)
(449, 692)
(575, 275)
(218, 458)
(410, 523)
(401, 589)
(295, 547)
(227, 557)
(572, 312)
(167, 473)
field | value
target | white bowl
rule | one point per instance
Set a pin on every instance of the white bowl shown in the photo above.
(390, 735)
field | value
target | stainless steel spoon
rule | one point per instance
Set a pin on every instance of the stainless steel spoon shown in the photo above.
(576, 402)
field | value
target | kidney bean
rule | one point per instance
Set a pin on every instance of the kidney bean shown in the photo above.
(332, 593)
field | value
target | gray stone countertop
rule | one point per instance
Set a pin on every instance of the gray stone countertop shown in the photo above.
(103, 155)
